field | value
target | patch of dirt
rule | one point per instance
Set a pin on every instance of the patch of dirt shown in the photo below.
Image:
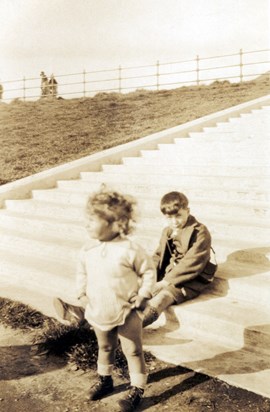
(37, 383)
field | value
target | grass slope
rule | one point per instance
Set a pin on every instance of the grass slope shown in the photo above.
(36, 136)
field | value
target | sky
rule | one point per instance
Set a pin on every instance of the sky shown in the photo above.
(66, 36)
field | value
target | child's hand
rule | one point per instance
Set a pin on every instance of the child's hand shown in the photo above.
(159, 286)
(138, 302)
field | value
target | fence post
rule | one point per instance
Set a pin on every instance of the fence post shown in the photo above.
(119, 80)
(24, 88)
(84, 83)
(198, 69)
(241, 66)
(158, 75)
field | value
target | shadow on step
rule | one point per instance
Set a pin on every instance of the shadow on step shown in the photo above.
(240, 264)
(253, 357)
(19, 361)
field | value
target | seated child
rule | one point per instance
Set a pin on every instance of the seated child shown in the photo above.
(182, 258)
(115, 278)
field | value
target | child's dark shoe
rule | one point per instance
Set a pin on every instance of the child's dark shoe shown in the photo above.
(67, 312)
(132, 399)
(101, 388)
(150, 316)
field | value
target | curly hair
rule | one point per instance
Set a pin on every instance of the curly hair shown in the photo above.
(113, 207)
(172, 202)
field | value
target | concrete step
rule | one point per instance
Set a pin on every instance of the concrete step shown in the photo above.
(244, 208)
(255, 119)
(228, 249)
(256, 127)
(243, 281)
(140, 165)
(193, 187)
(249, 225)
(160, 176)
(235, 365)
(57, 228)
(196, 318)
(46, 229)
(214, 158)
(225, 321)
(37, 273)
(64, 252)
(31, 225)
(248, 228)
(35, 208)
(229, 133)
(234, 280)
(241, 148)
(216, 139)
(233, 228)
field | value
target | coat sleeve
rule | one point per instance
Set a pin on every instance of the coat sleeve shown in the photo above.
(194, 261)
(81, 275)
(157, 255)
(145, 268)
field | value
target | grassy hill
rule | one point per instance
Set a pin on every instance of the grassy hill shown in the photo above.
(35, 136)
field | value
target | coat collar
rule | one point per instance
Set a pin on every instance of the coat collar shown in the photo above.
(186, 232)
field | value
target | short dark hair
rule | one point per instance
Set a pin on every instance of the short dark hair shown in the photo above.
(172, 202)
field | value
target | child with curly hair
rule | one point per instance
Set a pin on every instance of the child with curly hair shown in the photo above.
(115, 278)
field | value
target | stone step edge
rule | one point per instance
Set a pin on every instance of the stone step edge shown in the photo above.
(217, 218)
(243, 203)
(34, 299)
(166, 353)
(180, 317)
(28, 298)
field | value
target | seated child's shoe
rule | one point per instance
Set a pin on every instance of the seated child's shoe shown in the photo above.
(132, 400)
(101, 388)
(150, 316)
(65, 311)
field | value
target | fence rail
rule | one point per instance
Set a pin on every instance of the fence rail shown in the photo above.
(235, 67)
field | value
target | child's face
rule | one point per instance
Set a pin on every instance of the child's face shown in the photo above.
(178, 220)
(99, 228)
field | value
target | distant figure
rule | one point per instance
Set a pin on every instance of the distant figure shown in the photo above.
(44, 85)
(53, 86)
(1, 91)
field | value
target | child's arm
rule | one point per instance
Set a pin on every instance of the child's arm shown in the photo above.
(145, 268)
(157, 255)
(81, 276)
(194, 261)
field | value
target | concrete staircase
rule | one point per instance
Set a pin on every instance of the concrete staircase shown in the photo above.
(223, 167)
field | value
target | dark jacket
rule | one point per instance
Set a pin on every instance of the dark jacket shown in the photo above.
(192, 267)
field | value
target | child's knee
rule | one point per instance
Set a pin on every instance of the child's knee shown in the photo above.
(132, 352)
(107, 347)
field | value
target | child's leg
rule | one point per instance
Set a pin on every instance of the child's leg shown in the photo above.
(130, 335)
(107, 344)
(163, 299)
(156, 306)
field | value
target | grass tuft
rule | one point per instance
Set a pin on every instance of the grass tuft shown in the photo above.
(19, 316)
(77, 344)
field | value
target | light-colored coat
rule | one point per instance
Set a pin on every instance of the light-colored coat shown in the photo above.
(110, 274)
